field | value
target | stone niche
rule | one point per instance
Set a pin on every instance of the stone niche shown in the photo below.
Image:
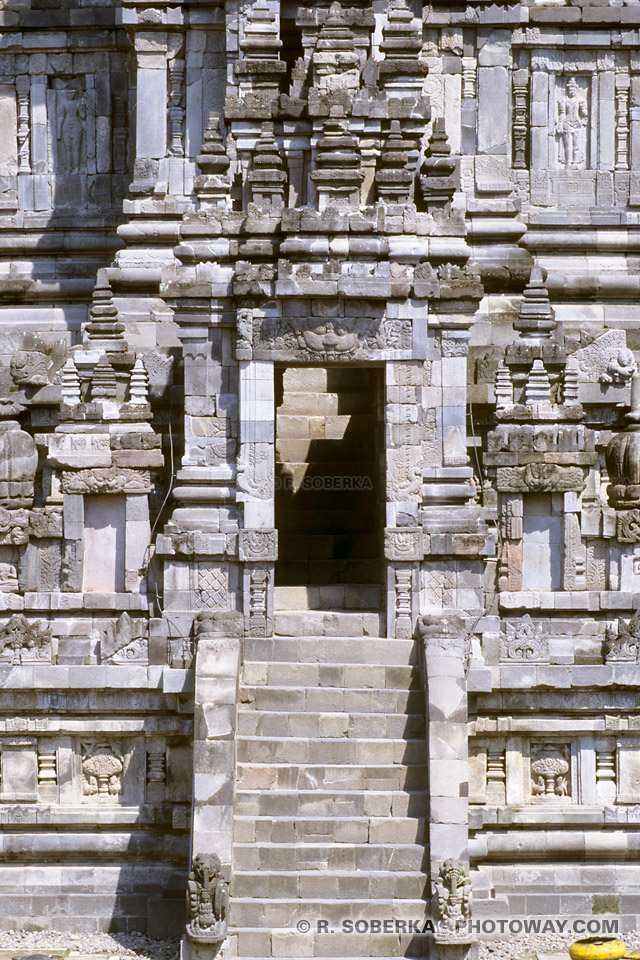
(104, 544)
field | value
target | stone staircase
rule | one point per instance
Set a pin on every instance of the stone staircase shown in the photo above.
(331, 798)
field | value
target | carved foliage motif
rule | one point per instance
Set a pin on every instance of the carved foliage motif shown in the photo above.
(540, 478)
(607, 360)
(524, 640)
(102, 766)
(624, 643)
(14, 526)
(628, 526)
(207, 899)
(550, 765)
(21, 641)
(313, 338)
(256, 470)
(106, 480)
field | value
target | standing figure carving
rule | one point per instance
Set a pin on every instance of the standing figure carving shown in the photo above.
(206, 901)
(572, 115)
(71, 132)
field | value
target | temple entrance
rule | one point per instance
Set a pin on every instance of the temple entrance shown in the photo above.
(329, 499)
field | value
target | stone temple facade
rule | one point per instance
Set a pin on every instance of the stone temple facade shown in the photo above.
(319, 469)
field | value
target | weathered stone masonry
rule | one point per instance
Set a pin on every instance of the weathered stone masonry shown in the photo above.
(319, 468)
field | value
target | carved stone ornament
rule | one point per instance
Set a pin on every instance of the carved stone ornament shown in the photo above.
(607, 360)
(453, 897)
(30, 368)
(404, 473)
(21, 641)
(443, 635)
(628, 526)
(207, 899)
(341, 338)
(524, 640)
(45, 522)
(102, 766)
(550, 764)
(258, 545)
(403, 543)
(125, 641)
(255, 471)
(14, 526)
(106, 480)
(540, 478)
(623, 643)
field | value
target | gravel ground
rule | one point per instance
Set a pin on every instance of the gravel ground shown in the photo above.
(527, 948)
(121, 945)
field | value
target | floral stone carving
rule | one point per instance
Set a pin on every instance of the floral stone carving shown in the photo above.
(540, 478)
(106, 480)
(102, 766)
(342, 338)
(22, 641)
(550, 764)
(207, 899)
(524, 640)
(623, 643)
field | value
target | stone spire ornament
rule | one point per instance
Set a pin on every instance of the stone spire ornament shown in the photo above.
(401, 45)
(212, 187)
(393, 179)
(104, 327)
(338, 174)
(536, 320)
(261, 68)
(70, 387)
(139, 384)
(266, 177)
(103, 381)
(438, 174)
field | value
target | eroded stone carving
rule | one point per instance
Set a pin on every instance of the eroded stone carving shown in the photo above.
(106, 480)
(607, 360)
(102, 766)
(623, 643)
(540, 478)
(550, 764)
(258, 545)
(628, 526)
(14, 526)
(342, 338)
(572, 117)
(524, 640)
(453, 897)
(30, 368)
(21, 641)
(207, 899)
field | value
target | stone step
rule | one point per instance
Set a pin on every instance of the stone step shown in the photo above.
(378, 725)
(331, 700)
(282, 829)
(345, 776)
(286, 912)
(337, 885)
(367, 596)
(329, 623)
(352, 675)
(304, 750)
(389, 804)
(366, 857)
(343, 650)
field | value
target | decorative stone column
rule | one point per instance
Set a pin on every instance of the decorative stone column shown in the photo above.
(445, 649)
(217, 661)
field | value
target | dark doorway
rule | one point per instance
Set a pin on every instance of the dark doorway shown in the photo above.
(329, 501)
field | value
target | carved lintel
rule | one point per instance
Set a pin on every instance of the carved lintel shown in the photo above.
(106, 480)
(540, 478)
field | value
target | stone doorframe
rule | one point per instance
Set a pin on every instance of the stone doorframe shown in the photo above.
(403, 538)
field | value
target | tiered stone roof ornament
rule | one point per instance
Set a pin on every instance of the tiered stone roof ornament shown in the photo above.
(338, 175)
(401, 71)
(536, 320)
(439, 173)
(104, 328)
(267, 177)
(393, 178)
(336, 63)
(260, 70)
(212, 187)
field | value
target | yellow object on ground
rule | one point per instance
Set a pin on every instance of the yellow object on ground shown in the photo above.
(598, 948)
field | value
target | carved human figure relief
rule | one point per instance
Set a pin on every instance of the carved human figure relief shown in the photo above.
(72, 114)
(572, 117)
